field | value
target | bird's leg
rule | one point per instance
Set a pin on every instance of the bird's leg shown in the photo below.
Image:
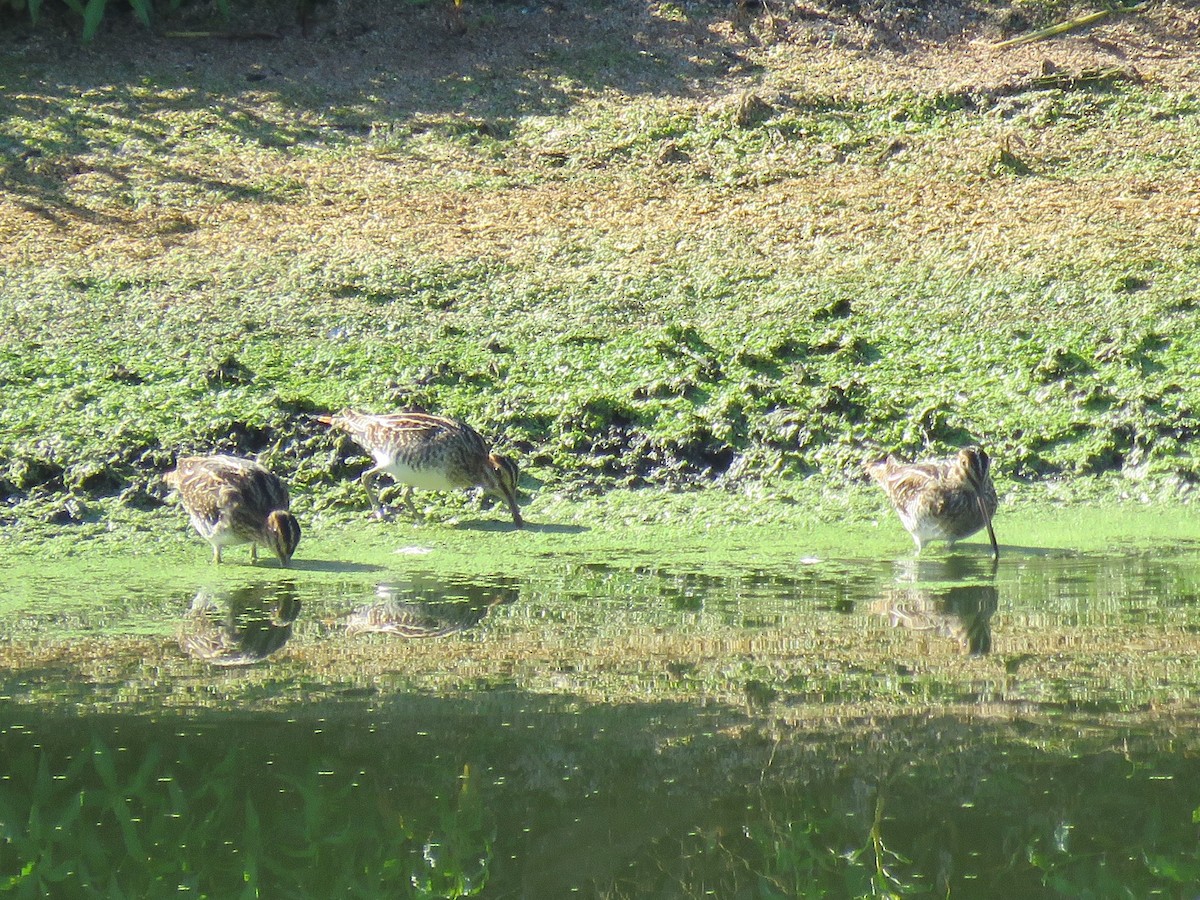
(408, 501)
(217, 555)
(365, 480)
(253, 552)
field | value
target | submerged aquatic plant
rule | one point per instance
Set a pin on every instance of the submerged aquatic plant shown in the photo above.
(209, 820)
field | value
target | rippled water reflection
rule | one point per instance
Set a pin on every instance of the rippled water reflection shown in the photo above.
(424, 606)
(833, 728)
(239, 627)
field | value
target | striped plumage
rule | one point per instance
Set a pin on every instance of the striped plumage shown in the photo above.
(415, 618)
(233, 501)
(434, 453)
(941, 500)
(962, 613)
(254, 625)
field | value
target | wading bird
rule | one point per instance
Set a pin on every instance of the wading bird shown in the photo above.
(233, 501)
(434, 453)
(941, 500)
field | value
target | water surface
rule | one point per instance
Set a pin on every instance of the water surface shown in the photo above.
(811, 727)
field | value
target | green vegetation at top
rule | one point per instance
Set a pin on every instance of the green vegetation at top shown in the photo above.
(666, 251)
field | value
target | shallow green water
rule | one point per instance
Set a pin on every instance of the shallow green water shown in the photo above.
(797, 725)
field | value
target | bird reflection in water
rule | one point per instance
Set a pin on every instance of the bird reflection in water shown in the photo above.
(961, 612)
(430, 608)
(239, 627)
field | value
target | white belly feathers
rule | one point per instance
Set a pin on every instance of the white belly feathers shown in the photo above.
(424, 479)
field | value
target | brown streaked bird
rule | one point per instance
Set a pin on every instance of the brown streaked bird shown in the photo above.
(233, 501)
(434, 453)
(941, 500)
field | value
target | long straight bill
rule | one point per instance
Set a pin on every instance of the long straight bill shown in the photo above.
(987, 520)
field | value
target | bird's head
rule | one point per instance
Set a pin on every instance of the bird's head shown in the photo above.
(283, 534)
(504, 476)
(975, 465)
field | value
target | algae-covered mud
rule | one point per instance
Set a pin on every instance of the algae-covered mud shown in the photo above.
(666, 711)
(632, 244)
